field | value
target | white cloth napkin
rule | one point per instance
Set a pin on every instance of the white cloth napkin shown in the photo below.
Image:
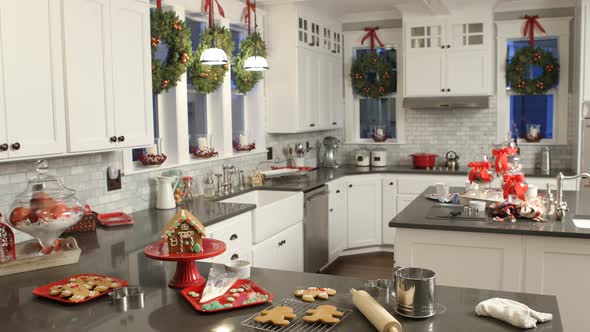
(512, 312)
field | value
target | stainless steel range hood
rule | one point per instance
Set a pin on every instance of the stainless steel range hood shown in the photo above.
(477, 102)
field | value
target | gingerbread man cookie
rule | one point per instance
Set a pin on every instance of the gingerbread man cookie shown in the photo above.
(280, 316)
(310, 294)
(324, 314)
(73, 291)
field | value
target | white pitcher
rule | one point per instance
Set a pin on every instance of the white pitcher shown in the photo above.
(166, 186)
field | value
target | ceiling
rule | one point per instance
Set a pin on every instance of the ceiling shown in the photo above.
(353, 10)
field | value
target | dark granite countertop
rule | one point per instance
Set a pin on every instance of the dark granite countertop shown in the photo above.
(415, 216)
(322, 176)
(118, 252)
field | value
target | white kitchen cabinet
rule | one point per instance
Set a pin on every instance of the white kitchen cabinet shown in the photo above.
(585, 50)
(283, 251)
(549, 265)
(364, 211)
(108, 75)
(236, 233)
(307, 79)
(388, 208)
(338, 217)
(31, 84)
(455, 54)
(463, 259)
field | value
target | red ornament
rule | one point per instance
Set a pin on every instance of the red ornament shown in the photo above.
(549, 68)
(537, 57)
(540, 85)
(7, 246)
(519, 68)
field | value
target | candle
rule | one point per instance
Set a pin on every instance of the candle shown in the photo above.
(202, 143)
(379, 132)
(244, 141)
(152, 150)
(533, 132)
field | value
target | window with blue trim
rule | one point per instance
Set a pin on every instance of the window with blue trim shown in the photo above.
(531, 114)
(379, 114)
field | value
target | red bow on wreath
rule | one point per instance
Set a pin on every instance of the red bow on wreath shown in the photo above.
(372, 36)
(250, 7)
(513, 185)
(208, 7)
(501, 158)
(529, 28)
(159, 4)
(479, 171)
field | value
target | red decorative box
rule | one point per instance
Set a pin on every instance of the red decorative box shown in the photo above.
(87, 224)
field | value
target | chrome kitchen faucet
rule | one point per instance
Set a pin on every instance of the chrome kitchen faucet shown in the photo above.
(560, 204)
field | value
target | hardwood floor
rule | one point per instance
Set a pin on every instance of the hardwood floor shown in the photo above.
(378, 265)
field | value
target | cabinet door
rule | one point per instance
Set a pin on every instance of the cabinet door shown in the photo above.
(424, 36)
(338, 218)
(86, 26)
(283, 251)
(586, 52)
(468, 72)
(308, 76)
(335, 104)
(403, 201)
(468, 34)
(424, 74)
(547, 265)
(389, 203)
(364, 211)
(132, 82)
(32, 72)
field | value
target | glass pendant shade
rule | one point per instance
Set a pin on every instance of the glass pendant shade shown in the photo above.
(256, 63)
(214, 56)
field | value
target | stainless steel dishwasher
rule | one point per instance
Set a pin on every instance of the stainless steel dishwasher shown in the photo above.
(315, 229)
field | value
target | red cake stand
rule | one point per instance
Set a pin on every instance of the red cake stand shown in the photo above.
(187, 273)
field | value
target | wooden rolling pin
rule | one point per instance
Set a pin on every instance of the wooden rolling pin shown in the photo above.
(381, 319)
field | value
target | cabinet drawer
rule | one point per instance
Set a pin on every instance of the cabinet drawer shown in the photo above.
(236, 232)
(283, 251)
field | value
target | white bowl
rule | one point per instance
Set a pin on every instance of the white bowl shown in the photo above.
(240, 267)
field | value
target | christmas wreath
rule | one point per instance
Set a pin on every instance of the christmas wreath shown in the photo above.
(529, 56)
(207, 78)
(167, 27)
(246, 80)
(372, 75)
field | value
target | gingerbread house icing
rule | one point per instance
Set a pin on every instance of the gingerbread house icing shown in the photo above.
(184, 233)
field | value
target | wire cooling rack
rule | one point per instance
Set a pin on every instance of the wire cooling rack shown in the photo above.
(299, 308)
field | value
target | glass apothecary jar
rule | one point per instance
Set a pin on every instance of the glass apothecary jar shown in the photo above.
(46, 208)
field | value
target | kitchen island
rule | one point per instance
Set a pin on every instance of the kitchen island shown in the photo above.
(119, 252)
(525, 256)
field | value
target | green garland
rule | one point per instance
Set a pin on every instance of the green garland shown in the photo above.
(167, 27)
(367, 64)
(205, 78)
(527, 56)
(246, 80)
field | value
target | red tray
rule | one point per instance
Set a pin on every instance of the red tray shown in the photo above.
(43, 291)
(238, 303)
(114, 219)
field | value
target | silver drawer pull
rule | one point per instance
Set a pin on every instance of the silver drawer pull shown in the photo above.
(233, 237)
(234, 257)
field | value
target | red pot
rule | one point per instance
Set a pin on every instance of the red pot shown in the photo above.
(423, 160)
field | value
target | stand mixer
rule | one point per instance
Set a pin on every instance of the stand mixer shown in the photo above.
(330, 144)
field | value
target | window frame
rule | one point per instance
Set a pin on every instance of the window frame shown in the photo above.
(174, 127)
(558, 28)
(391, 38)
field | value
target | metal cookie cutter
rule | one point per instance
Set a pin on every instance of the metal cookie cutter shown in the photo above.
(126, 298)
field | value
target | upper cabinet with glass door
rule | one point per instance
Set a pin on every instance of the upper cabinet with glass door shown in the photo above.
(453, 54)
(318, 34)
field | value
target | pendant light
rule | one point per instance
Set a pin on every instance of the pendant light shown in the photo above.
(255, 62)
(213, 56)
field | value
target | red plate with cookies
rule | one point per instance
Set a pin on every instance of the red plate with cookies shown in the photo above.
(243, 293)
(79, 288)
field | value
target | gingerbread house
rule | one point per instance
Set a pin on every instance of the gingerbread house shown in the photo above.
(184, 233)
